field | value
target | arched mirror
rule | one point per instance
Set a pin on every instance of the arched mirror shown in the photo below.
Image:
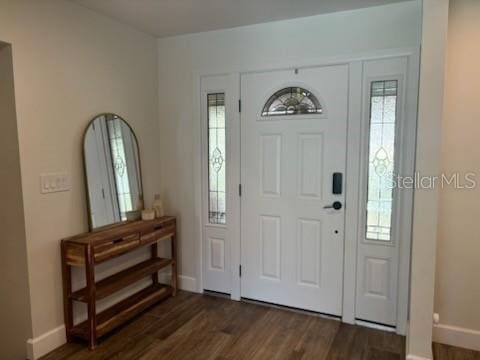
(112, 168)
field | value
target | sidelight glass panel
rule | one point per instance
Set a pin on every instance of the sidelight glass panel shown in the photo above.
(216, 159)
(381, 162)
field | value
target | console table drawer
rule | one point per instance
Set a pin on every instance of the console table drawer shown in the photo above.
(116, 247)
(159, 234)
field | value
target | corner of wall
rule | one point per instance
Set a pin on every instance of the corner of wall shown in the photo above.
(425, 221)
(15, 305)
(46, 343)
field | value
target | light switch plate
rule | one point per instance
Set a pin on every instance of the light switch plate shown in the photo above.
(54, 182)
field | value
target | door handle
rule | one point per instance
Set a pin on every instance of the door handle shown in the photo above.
(337, 205)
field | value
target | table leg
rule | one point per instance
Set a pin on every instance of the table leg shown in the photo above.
(154, 250)
(92, 316)
(174, 264)
(67, 293)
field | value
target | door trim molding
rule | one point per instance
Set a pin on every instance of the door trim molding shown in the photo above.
(409, 142)
(352, 198)
(351, 232)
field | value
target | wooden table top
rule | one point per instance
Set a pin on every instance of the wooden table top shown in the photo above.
(118, 230)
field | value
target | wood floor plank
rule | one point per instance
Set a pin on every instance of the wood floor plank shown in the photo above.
(342, 345)
(446, 352)
(255, 333)
(316, 341)
(202, 334)
(193, 326)
(282, 338)
(173, 320)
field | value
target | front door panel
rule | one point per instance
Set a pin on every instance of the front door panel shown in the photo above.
(291, 245)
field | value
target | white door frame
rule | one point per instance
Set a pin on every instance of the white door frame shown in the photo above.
(352, 179)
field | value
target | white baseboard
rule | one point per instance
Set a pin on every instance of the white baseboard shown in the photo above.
(415, 357)
(186, 283)
(457, 336)
(45, 343)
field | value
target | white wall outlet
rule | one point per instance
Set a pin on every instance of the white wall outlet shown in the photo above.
(54, 182)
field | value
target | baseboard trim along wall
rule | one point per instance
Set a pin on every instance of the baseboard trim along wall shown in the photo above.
(45, 343)
(186, 283)
(415, 357)
(457, 336)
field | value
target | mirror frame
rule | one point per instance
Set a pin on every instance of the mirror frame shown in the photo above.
(85, 176)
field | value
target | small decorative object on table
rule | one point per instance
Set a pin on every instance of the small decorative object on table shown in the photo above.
(148, 214)
(157, 206)
(133, 215)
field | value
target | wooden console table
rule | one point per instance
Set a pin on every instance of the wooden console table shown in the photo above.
(89, 249)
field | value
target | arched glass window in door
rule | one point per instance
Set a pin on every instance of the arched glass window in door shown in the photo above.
(292, 101)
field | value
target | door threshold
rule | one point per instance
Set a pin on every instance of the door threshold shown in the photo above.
(216, 294)
(374, 325)
(292, 309)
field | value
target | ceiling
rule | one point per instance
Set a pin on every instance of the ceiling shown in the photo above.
(173, 17)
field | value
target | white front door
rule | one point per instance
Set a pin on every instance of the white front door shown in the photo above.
(292, 240)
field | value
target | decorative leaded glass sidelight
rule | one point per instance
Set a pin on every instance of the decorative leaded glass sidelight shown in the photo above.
(216, 159)
(292, 101)
(381, 162)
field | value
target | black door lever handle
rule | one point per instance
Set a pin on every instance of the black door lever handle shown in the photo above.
(337, 205)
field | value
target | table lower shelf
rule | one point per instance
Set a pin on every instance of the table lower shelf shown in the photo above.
(116, 315)
(120, 280)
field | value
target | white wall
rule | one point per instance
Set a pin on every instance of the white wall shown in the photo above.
(14, 294)
(430, 112)
(457, 292)
(277, 44)
(69, 65)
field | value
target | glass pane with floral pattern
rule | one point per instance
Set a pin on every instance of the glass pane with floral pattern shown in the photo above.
(216, 159)
(381, 164)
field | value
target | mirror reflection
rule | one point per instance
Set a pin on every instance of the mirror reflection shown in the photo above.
(113, 173)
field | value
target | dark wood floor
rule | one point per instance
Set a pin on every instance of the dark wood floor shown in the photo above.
(441, 352)
(193, 326)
